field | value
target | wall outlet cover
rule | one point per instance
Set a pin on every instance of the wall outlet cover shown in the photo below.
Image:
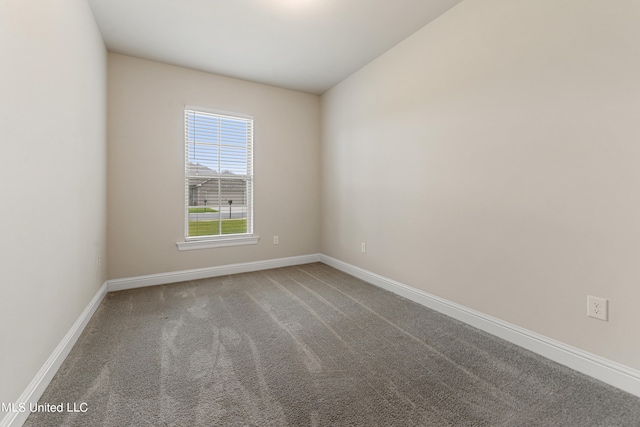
(597, 308)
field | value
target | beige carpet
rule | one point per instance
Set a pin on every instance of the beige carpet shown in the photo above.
(309, 346)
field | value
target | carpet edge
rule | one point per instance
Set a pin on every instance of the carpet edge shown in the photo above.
(207, 272)
(38, 385)
(605, 370)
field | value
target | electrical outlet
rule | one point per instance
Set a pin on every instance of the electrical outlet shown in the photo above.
(99, 263)
(363, 247)
(276, 240)
(597, 308)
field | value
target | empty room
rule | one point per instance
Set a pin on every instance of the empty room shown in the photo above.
(319, 212)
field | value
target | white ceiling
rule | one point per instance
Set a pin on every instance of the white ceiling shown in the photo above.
(305, 45)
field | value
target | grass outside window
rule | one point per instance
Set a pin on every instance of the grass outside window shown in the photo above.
(201, 210)
(212, 228)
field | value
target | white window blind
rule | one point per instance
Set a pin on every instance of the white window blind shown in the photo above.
(218, 175)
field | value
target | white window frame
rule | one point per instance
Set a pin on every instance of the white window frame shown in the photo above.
(224, 240)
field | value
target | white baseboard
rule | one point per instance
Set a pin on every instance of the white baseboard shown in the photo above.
(45, 375)
(205, 273)
(605, 370)
(42, 379)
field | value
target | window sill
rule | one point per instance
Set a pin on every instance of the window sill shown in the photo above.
(217, 243)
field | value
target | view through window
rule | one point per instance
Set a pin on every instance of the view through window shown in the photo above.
(219, 174)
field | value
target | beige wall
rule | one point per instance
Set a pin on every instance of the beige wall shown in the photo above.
(52, 179)
(493, 159)
(146, 169)
(490, 159)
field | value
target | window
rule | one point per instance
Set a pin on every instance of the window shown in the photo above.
(218, 179)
